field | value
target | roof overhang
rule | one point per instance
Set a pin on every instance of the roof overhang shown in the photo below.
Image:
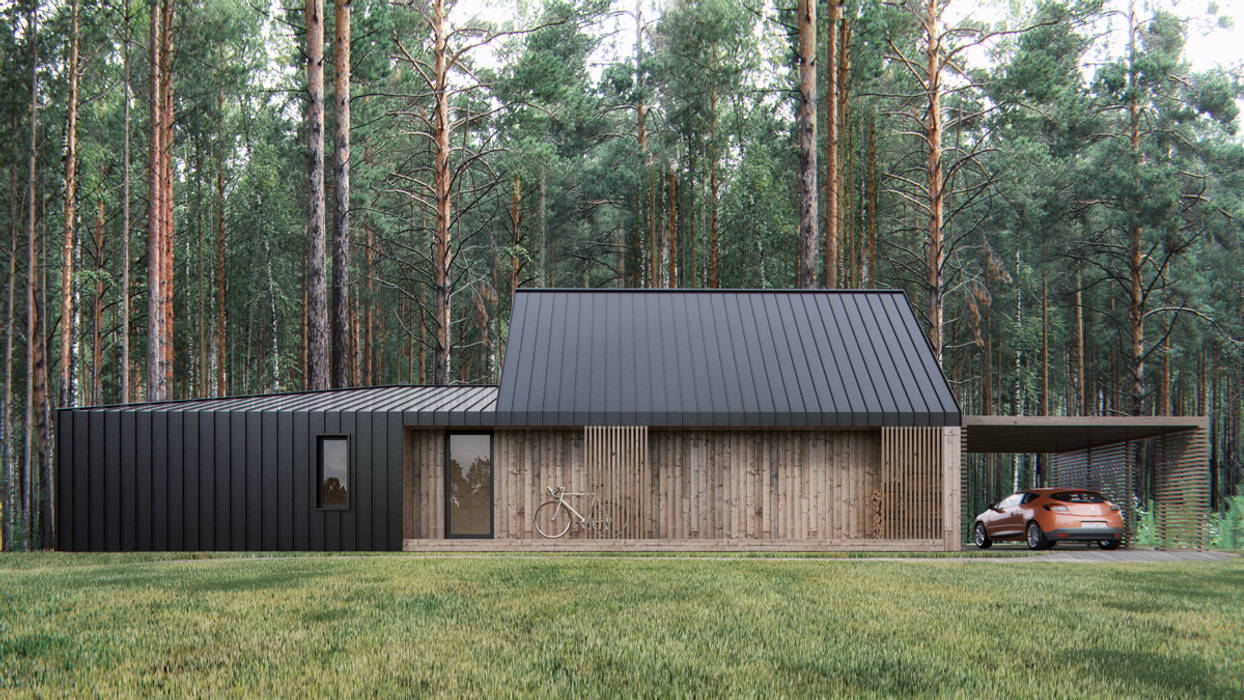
(1051, 434)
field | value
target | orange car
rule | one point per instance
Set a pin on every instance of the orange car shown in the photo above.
(1045, 517)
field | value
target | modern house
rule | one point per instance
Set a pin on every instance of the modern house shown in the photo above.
(699, 419)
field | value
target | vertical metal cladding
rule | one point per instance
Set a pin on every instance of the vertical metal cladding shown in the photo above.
(239, 473)
(720, 358)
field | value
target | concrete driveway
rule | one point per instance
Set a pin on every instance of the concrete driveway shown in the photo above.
(1097, 556)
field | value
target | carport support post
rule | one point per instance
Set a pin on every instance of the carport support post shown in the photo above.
(952, 466)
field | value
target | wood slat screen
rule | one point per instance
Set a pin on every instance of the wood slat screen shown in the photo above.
(1174, 464)
(1181, 489)
(1110, 469)
(910, 503)
(967, 514)
(616, 466)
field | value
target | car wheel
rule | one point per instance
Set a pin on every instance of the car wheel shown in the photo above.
(1108, 544)
(1036, 538)
(982, 537)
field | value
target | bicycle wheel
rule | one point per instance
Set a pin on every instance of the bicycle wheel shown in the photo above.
(552, 521)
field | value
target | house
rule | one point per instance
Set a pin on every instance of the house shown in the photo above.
(698, 419)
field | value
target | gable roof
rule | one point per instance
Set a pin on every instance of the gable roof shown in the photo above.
(724, 358)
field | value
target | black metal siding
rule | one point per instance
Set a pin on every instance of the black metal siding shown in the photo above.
(178, 477)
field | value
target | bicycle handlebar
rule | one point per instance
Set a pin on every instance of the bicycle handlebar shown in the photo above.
(555, 491)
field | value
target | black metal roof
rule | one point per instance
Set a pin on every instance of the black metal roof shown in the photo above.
(731, 358)
(419, 405)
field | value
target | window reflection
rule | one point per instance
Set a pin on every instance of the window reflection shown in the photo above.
(334, 472)
(469, 485)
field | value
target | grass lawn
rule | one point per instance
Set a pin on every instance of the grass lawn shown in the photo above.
(325, 625)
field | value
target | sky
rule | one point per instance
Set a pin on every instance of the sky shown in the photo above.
(1215, 32)
(1210, 45)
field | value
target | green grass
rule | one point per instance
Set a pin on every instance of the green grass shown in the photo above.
(607, 626)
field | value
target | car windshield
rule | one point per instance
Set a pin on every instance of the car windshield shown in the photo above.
(1078, 497)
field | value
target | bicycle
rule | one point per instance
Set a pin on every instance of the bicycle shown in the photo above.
(554, 518)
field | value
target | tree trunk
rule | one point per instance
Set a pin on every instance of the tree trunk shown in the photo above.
(166, 173)
(222, 310)
(844, 164)
(341, 188)
(156, 388)
(7, 461)
(687, 246)
(1045, 347)
(933, 138)
(203, 356)
(807, 144)
(641, 140)
(97, 321)
(672, 232)
(654, 246)
(987, 378)
(318, 370)
(160, 248)
(443, 371)
(516, 214)
(127, 392)
(872, 203)
(712, 192)
(1082, 393)
(356, 340)
(542, 224)
(67, 330)
(1164, 407)
(1136, 318)
(369, 335)
(832, 177)
(36, 366)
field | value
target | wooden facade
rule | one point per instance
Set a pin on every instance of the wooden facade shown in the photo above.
(787, 488)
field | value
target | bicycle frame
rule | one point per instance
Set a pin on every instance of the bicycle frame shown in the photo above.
(560, 494)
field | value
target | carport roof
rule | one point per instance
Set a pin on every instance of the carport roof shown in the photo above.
(1051, 434)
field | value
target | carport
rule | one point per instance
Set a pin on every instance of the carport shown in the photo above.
(1140, 462)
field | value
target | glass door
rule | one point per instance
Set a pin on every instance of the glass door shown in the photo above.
(468, 485)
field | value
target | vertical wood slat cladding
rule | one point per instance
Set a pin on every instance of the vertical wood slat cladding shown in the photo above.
(915, 462)
(615, 470)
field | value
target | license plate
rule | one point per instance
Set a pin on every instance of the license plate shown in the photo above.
(1092, 523)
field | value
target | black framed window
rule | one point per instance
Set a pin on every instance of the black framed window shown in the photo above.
(332, 472)
(468, 485)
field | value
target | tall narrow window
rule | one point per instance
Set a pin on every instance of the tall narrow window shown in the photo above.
(468, 485)
(333, 472)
